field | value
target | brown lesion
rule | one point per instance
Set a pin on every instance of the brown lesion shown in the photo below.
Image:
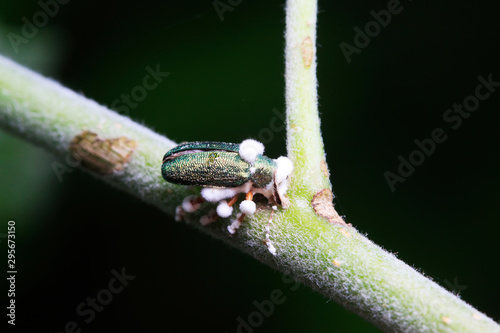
(324, 169)
(322, 203)
(104, 156)
(307, 49)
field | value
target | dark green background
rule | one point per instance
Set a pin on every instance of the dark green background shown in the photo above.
(225, 79)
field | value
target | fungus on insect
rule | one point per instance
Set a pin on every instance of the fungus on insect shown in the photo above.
(225, 170)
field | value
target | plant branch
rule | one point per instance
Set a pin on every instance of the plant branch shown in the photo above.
(47, 114)
(333, 259)
(304, 141)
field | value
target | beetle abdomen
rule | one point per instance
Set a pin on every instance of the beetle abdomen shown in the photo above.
(217, 168)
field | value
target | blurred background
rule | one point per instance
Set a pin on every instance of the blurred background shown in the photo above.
(226, 83)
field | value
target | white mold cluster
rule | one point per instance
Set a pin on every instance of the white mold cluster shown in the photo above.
(275, 192)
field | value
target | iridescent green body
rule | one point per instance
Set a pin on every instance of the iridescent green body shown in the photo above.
(215, 164)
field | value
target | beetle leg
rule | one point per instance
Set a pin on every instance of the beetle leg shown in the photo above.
(233, 200)
(236, 223)
(249, 196)
(247, 207)
(268, 241)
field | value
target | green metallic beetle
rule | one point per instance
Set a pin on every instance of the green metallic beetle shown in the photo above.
(241, 167)
(215, 164)
(225, 170)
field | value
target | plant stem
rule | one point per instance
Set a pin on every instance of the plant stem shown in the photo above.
(333, 259)
(47, 114)
(304, 141)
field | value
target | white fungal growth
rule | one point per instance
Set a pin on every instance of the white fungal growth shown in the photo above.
(283, 170)
(271, 248)
(274, 191)
(179, 214)
(212, 194)
(234, 225)
(281, 178)
(248, 207)
(224, 210)
(190, 204)
(266, 191)
(249, 149)
(268, 241)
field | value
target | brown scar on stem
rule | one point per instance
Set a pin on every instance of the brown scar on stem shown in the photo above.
(322, 203)
(307, 49)
(324, 169)
(102, 156)
(344, 232)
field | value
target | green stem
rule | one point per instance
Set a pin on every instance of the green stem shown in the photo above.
(304, 141)
(333, 259)
(50, 115)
